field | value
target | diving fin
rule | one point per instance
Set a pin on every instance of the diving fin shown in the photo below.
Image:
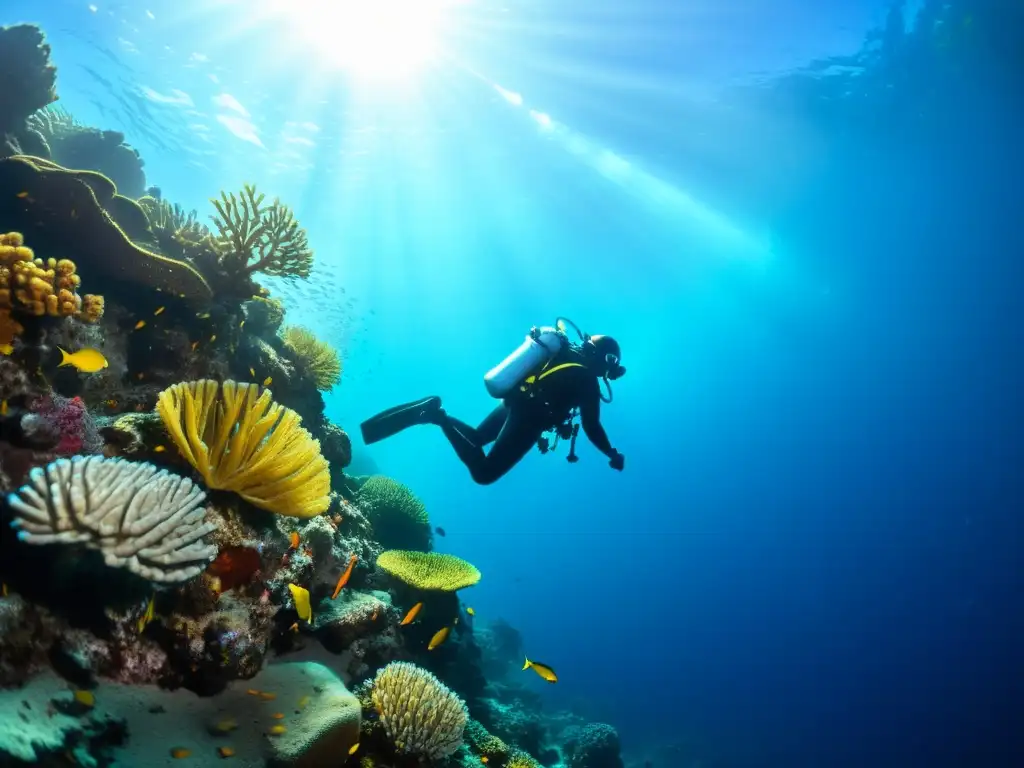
(394, 420)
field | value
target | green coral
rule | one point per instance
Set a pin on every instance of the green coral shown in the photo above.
(485, 744)
(318, 357)
(79, 215)
(429, 570)
(522, 760)
(257, 238)
(398, 516)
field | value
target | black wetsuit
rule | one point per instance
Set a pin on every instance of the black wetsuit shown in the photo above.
(517, 424)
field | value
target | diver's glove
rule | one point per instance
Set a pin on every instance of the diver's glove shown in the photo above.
(617, 461)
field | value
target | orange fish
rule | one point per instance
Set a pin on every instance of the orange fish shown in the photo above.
(345, 577)
(180, 752)
(267, 696)
(253, 692)
(225, 751)
(411, 615)
(439, 637)
(294, 627)
(278, 716)
(376, 612)
(294, 539)
(139, 325)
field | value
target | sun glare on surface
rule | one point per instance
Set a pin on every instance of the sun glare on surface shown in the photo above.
(381, 39)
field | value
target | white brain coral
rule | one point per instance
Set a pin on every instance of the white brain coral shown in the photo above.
(139, 517)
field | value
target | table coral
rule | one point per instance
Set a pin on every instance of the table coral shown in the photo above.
(429, 570)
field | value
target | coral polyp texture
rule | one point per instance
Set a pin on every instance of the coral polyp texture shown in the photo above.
(258, 238)
(420, 715)
(319, 358)
(429, 570)
(240, 440)
(139, 517)
(398, 516)
(33, 287)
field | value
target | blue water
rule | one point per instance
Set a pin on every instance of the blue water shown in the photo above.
(812, 557)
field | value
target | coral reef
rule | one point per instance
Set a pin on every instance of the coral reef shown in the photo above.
(176, 493)
(30, 79)
(594, 746)
(316, 357)
(74, 145)
(71, 214)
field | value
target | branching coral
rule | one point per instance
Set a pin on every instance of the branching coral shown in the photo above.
(419, 714)
(254, 238)
(398, 516)
(317, 357)
(30, 286)
(429, 570)
(241, 440)
(139, 517)
(171, 221)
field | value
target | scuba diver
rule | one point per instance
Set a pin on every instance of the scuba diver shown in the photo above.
(543, 385)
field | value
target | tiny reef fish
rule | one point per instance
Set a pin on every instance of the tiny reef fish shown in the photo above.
(301, 597)
(86, 360)
(344, 577)
(411, 615)
(546, 672)
(439, 637)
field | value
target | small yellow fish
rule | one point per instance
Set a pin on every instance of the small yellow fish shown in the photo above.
(301, 597)
(470, 611)
(147, 616)
(225, 751)
(85, 698)
(159, 310)
(252, 373)
(277, 730)
(411, 615)
(484, 760)
(140, 325)
(226, 726)
(22, 195)
(354, 748)
(85, 360)
(546, 672)
(303, 702)
(179, 753)
(252, 692)
(241, 325)
(203, 315)
(268, 381)
(440, 636)
(194, 345)
(4, 408)
(213, 338)
(6, 349)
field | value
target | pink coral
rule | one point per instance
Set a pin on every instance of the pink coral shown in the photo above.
(78, 433)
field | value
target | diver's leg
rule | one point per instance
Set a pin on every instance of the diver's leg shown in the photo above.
(394, 420)
(517, 436)
(481, 435)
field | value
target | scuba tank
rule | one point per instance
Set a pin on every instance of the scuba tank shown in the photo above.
(538, 349)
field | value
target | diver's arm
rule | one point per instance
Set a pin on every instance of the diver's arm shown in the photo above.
(590, 417)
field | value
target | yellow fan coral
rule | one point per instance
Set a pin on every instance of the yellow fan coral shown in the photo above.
(318, 357)
(241, 440)
(429, 570)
